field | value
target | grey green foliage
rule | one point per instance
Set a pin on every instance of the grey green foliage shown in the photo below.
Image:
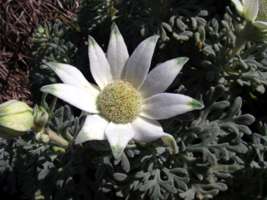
(217, 145)
(259, 147)
(217, 46)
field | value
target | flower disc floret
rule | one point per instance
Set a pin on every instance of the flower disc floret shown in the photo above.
(119, 102)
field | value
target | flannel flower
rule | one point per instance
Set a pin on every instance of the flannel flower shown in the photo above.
(254, 30)
(128, 100)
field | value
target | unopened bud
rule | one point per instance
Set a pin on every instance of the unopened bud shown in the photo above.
(40, 118)
(16, 118)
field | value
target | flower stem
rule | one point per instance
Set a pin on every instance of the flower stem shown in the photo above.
(56, 139)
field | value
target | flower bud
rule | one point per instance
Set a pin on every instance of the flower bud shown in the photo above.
(16, 118)
(40, 118)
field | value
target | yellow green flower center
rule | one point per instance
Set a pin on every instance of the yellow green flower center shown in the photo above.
(119, 102)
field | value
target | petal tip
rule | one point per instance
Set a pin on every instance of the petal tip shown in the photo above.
(54, 65)
(182, 60)
(47, 88)
(77, 142)
(91, 40)
(196, 105)
(171, 143)
(48, 63)
(117, 151)
(154, 38)
(238, 5)
(80, 138)
(114, 28)
(42, 89)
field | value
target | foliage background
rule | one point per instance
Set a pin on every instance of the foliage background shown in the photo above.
(222, 149)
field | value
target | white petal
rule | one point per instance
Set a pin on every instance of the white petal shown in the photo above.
(147, 130)
(171, 143)
(99, 65)
(138, 64)
(166, 105)
(261, 24)
(78, 97)
(93, 129)
(161, 77)
(118, 136)
(251, 8)
(239, 6)
(71, 75)
(117, 52)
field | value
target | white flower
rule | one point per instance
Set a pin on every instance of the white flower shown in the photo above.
(249, 9)
(128, 99)
(252, 30)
